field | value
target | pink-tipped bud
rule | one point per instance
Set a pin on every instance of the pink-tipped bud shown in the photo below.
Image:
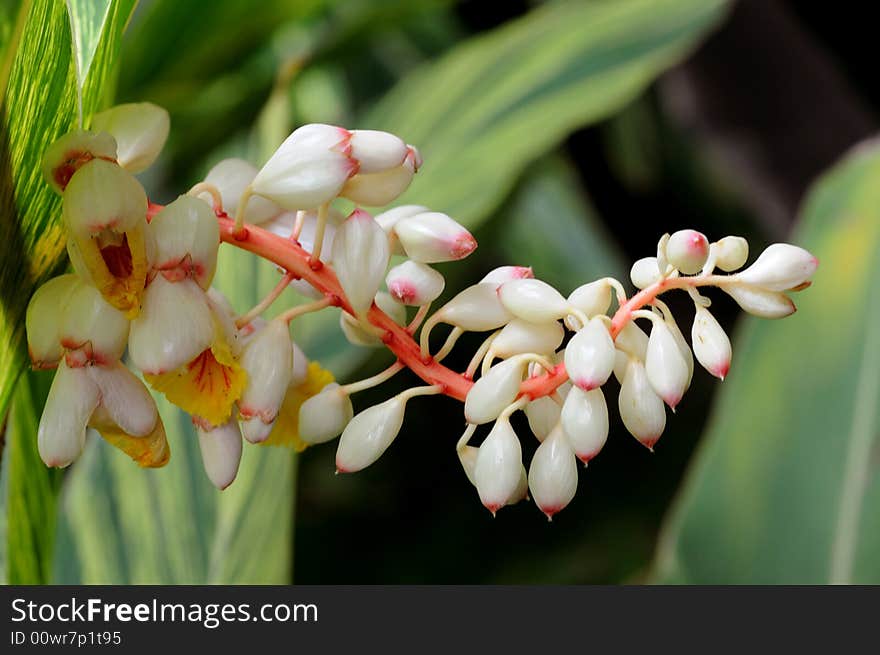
(666, 367)
(140, 130)
(72, 398)
(592, 299)
(584, 420)
(687, 250)
(268, 360)
(221, 451)
(308, 169)
(553, 473)
(433, 237)
(369, 434)
(412, 283)
(760, 302)
(519, 336)
(377, 151)
(731, 253)
(475, 309)
(324, 416)
(533, 300)
(231, 177)
(502, 274)
(360, 257)
(641, 409)
(498, 468)
(493, 392)
(780, 267)
(187, 240)
(589, 356)
(711, 345)
(379, 189)
(644, 272)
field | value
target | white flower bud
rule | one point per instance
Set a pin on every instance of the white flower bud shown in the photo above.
(631, 342)
(360, 257)
(493, 392)
(467, 455)
(412, 283)
(498, 468)
(187, 239)
(379, 189)
(308, 169)
(356, 334)
(94, 325)
(475, 309)
(592, 299)
(72, 151)
(533, 300)
(103, 196)
(641, 409)
(780, 267)
(687, 250)
(140, 130)
(543, 413)
(665, 365)
(231, 177)
(221, 452)
(174, 326)
(377, 151)
(388, 219)
(369, 434)
(584, 420)
(62, 432)
(683, 348)
(711, 345)
(522, 488)
(553, 474)
(324, 416)
(519, 336)
(589, 356)
(644, 272)
(760, 302)
(731, 253)
(124, 399)
(268, 360)
(502, 274)
(433, 237)
(45, 313)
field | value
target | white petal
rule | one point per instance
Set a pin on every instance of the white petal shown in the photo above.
(641, 409)
(300, 371)
(644, 272)
(103, 196)
(62, 432)
(666, 367)
(256, 430)
(71, 151)
(584, 420)
(543, 415)
(221, 452)
(780, 267)
(360, 257)
(760, 302)
(502, 274)
(388, 219)
(711, 344)
(379, 189)
(521, 336)
(467, 455)
(731, 253)
(412, 283)
(589, 356)
(268, 360)
(377, 151)
(43, 319)
(231, 177)
(592, 299)
(355, 332)
(498, 469)
(125, 398)
(493, 392)
(369, 434)
(533, 300)
(324, 416)
(475, 309)
(553, 474)
(433, 237)
(140, 130)
(91, 323)
(187, 238)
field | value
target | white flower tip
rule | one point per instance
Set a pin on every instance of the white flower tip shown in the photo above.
(255, 429)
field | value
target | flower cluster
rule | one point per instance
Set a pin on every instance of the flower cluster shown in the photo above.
(142, 276)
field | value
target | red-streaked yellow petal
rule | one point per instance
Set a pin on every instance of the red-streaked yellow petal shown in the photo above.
(151, 451)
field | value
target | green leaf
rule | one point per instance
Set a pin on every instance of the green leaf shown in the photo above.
(785, 486)
(484, 111)
(551, 226)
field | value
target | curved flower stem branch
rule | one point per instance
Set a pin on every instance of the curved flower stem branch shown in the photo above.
(266, 302)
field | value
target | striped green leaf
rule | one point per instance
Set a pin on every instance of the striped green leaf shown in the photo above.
(785, 487)
(481, 113)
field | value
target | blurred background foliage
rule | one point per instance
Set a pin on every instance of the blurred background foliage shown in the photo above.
(568, 136)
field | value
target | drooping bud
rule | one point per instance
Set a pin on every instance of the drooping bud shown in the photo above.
(644, 272)
(356, 334)
(780, 267)
(71, 152)
(584, 420)
(519, 336)
(360, 257)
(760, 302)
(231, 177)
(592, 299)
(731, 253)
(43, 319)
(377, 151)
(498, 468)
(553, 473)
(683, 348)
(641, 409)
(221, 451)
(589, 356)
(493, 392)
(92, 327)
(187, 239)
(543, 415)
(475, 309)
(687, 250)
(140, 130)
(369, 434)
(533, 300)
(324, 416)
(433, 237)
(666, 368)
(382, 188)
(62, 432)
(308, 169)
(124, 398)
(711, 345)
(412, 283)
(268, 360)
